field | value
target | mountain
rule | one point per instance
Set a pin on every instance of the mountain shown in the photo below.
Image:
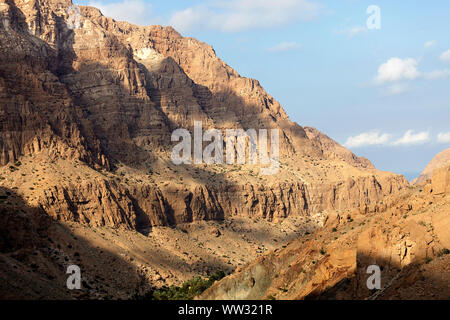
(87, 109)
(333, 150)
(439, 161)
(407, 238)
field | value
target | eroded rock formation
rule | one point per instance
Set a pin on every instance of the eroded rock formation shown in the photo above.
(407, 239)
(96, 106)
(439, 161)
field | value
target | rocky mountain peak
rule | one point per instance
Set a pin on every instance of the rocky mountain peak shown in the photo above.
(439, 161)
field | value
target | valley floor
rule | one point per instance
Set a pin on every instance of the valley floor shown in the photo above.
(118, 263)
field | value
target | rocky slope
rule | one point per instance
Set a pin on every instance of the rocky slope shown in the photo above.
(116, 263)
(439, 161)
(407, 238)
(107, 95)
(333, 150)
(87, 109)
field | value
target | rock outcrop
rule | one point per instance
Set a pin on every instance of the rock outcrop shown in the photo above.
(94, 101)
(440, 183)
(87, 109)
(440, 160)
(407, 239)
(333, 150)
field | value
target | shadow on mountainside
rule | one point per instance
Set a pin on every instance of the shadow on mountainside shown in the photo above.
(127, 124)
(427, 280)
(108, 118)
(416, 281)
(35, 252)
(112, 120)
(127, 121)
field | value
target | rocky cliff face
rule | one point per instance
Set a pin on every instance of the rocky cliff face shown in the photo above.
(88, 114)
(440, 182)
(333, 150)
(407, 239)
(439, 161)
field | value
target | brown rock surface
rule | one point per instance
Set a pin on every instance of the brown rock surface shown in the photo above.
(109, 94)
(408, 238)
(86, 117)
(440, 182)
(333, 150)
(439, 161)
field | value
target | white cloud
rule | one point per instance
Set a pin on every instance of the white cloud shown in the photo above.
(133, 11)
(396, 69)
(429, 44)
(284, 46)
(445, 56)
(367, 139)
(444, 137)
(411, 138)
(238, 15)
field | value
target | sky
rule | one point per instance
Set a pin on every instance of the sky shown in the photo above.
(373, 75)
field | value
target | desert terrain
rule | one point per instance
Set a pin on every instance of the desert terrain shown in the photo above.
(86, 176)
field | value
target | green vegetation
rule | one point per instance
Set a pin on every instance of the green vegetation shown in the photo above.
(443, 252)
(187, 291)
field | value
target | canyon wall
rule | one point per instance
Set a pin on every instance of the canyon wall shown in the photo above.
(96, 106)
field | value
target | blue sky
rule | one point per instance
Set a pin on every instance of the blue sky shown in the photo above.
(384, 93)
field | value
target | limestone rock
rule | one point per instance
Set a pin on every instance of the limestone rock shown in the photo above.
(103, 98)
(440, 182)
(439, 161)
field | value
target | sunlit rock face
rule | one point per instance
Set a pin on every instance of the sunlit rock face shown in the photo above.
(101, 98)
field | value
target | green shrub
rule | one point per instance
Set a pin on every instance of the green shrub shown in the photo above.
(443, 252)
(187, 291)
